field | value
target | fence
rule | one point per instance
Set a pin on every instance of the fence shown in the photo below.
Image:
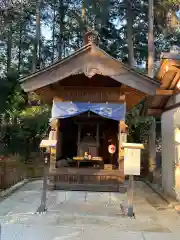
(13, 171)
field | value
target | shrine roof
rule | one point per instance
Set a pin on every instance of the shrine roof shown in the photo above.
(89, 60)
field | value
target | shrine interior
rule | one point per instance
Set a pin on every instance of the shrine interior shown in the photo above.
(88, 132)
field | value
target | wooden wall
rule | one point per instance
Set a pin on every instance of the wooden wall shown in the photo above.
(99, 89)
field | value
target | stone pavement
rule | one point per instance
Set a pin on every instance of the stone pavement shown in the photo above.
(75, 215)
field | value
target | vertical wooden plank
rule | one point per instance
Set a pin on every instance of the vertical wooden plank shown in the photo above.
(79, 139)
(122, 138)
(97, 139)
(53, 136)
(152, 150)
(130, 212)
(119, 142)
(59, 140)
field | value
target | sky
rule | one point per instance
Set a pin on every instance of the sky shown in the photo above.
(45, 30)
(178, 14)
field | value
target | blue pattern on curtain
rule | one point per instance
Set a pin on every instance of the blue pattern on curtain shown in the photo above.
(69, 109)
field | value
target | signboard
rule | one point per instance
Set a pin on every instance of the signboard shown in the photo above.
(111, 149)
(48, 143)
(132, 159)
(133, 145)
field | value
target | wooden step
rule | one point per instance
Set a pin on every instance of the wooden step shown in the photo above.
(89, 187)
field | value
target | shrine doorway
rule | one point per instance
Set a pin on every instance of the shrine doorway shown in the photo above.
(91, 133)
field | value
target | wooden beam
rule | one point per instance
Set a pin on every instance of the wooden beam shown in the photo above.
(123, 126)
(175, 80)
(172, 107)
(176, 91)
(154, 112)
(92, 94)
(164, 92)
(122, 98)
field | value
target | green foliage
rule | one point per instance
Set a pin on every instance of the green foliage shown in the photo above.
(138, 126)
(22, 126)
(22, 131)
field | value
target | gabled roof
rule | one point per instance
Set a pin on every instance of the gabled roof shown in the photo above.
(89, 60)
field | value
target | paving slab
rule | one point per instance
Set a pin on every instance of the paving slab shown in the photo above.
(161, 236)
(29, 232)
(94, 214)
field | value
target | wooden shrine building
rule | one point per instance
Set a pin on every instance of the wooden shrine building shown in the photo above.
(90, 93)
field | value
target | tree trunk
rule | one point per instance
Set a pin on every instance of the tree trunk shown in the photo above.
(20, 43)
(130, 34)
(83, 12)
(19, 51)
(36, 53)
(53, 31)
(61, 28)
(9, 47)
(27, 142)
(20, 39)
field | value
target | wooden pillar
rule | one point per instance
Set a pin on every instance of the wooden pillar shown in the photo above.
(119, 143)
(122, 138)
(97, 139)
(53, 136)
(79, 139)
(152, 151)
(59, 140)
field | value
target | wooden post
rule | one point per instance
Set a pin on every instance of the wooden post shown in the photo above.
(119, 143)
(122, 130)
(79, 139)
(130, 212)
(59, 142)
(152, 150)
(97, 139)
(119, 147)
(43, 208)
(53, 136)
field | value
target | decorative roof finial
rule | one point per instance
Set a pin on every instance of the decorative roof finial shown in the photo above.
(91, 36)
